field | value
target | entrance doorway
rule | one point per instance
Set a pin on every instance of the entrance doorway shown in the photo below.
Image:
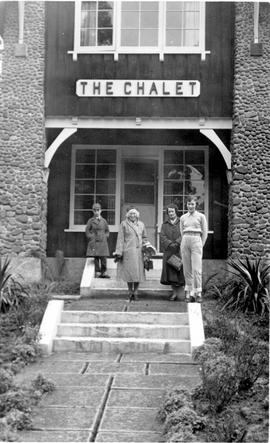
(139, 189)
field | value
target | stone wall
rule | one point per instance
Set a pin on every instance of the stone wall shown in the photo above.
(23, 192)
(249, 218)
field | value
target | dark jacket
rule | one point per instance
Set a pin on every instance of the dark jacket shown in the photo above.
(170, 239)
(97, 233)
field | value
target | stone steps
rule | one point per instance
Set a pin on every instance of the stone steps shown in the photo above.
(138, 330)
(122, 345)
(123, 332)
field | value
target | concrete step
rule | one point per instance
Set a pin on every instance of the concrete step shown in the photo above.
(120, 345)
(136, 330)
(150, 318)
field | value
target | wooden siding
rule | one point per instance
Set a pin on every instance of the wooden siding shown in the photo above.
(74, 244)
(215, 73)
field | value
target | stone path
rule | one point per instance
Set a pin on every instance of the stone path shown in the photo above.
(106, 397)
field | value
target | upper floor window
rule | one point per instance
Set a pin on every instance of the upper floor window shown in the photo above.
(139, 27)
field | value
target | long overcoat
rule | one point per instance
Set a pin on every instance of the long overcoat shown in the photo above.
(131, 237)
(170, 233)
(97, 233)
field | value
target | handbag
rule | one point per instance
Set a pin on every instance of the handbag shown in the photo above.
(175, 262)
(148, 264)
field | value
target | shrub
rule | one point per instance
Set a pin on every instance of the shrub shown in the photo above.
(219, 380)
(208, 350)
(251, 359)
(42, 384)
(6, 380)
(12, 293)
(185, 416)
(249, 290)
(181, 434)
(220, 326)
(173, 401)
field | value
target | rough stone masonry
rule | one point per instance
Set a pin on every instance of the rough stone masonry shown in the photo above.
(249, 220)
(23, 192)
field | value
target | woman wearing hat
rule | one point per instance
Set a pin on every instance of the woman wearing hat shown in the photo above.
(170, 239)
(129, 252)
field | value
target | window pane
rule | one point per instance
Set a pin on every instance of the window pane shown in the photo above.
(174, 6)
(172, 188)
(81, 217)
(105, 5)
(149, 6)
(106, 171)
(85, 171)
(89, 6)
(105, 19)
(173, 20)
(85, 156)
(130, 38)
(88, 20)
(191, 38)
(106, 156)
(83, 201)
(173, 38)
(88, 37)
(149, 20)
(110, 216)
(174, 157)
(149, 37)
(174, 172)
(130, 20)
(130, 6)
(194, 172)
(194, 157)
(106, 201)
(105, 187)
(84, 186)
(177, 200)
(194, 188)
(105, 37)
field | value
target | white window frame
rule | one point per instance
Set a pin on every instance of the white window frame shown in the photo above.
(81, 228)
(116, 49)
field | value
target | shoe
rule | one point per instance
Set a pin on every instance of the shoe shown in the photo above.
(97, 274)
(198, 297)
(131, 297)
(135, 296)
(192, 299)
(187, 296)
(104, 276)
(173, 297)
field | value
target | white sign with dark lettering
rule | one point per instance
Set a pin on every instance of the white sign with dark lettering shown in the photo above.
(138, 88)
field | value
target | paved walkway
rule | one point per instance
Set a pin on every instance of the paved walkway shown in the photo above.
(107, 397)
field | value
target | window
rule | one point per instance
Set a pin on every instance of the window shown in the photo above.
(93, 180)
(147, 26)
(185, 173)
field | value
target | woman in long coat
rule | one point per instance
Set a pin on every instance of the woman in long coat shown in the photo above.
(170, 239)
(131, 238)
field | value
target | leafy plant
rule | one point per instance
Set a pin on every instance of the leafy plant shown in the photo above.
(12, 292)
(249, 290)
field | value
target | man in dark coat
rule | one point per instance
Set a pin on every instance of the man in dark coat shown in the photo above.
(97, 233)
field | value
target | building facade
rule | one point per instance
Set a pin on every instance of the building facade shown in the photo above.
(134, 103)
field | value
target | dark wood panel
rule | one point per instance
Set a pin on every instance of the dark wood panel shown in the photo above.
(215, 73)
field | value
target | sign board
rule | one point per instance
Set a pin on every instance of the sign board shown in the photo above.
(137, 88)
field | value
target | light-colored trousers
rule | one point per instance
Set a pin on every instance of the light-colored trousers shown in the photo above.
(192, 251)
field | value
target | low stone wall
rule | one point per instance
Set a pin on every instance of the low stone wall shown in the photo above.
(249, 221)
